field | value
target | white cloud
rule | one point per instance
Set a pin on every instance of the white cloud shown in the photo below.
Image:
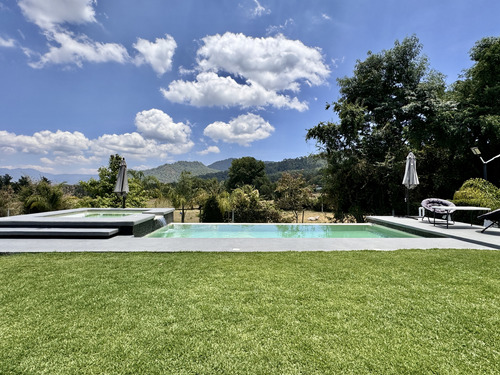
(156, 124)
(64, 46)
(76, 50)
(259, 10)
(209, 89)
(45, 142)
(158, 54)
(242, 130)
(210, 150)
(278, 29)
(267, 66)
(276, 63)
(134, 145)
(49, 13)
(7, 43)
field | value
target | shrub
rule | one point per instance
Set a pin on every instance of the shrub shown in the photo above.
(211, 211)
(478, 192)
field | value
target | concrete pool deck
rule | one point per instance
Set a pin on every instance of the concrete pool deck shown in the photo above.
(458, 236)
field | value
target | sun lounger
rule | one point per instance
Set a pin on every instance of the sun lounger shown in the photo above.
(493, 216)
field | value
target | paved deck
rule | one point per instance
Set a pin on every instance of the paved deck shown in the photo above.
(459, 236)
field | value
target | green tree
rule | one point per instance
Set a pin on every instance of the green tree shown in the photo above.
(247, 171)
(249, 208)
(42, 197)
(478, 100)
(392, 104)
(292, 194)
(211, 211)
(184, 192)
(100, 193)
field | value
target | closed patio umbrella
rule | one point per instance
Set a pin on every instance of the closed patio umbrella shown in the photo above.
(410, 179)
(121, 187)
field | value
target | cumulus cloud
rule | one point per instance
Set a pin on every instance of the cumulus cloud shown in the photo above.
(76, 50)
(158, 54)
(210, 150)
(48, 14)
(268, 67)
(209, 89)
(156, 124)
(7, 43)
(45, 142)
(242, 130)
(157, 136)
(276, 63)
(66, 47)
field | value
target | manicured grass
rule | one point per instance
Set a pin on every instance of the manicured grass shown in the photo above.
(418, 312)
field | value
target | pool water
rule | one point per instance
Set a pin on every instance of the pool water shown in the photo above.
(278, 231)
(96, 214)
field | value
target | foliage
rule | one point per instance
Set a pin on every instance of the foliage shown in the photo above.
(248, 208)
(247, 171)
(100, 193)
(394, 104)
(341, 312)
(169, 173)
(478, 192)
(292, 194)
(9, 203)
(183, 194)
(479, 106)
(41, 196)
(211, 211)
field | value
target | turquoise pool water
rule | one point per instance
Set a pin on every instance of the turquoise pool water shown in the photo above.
(278, 231)
(97, 214)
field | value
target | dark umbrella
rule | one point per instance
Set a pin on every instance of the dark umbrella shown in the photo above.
(121, 187)
(410, 180)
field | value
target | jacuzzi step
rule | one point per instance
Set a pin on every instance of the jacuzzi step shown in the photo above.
(59, 232)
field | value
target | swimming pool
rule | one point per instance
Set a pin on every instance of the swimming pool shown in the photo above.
(97, 213)
(278, 231)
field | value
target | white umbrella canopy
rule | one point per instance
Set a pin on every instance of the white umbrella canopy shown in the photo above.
(410, 179)
(121, 187)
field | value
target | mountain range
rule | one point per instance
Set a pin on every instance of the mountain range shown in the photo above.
(169, 173)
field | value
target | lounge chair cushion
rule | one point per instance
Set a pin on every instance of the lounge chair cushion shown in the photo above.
(429, 202)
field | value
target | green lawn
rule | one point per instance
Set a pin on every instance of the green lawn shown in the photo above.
(418, 312)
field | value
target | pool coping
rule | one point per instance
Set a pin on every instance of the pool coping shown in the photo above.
(462, 236)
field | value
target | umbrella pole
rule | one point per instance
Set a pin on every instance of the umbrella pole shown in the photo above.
(407, 202)
(123, 202)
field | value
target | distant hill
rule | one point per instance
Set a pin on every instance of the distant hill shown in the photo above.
(171, 172)
(308, 166)
(35, 175)
(222, 165)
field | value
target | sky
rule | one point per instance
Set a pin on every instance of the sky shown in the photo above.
(159, 81)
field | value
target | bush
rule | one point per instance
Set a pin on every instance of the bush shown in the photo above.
(211, 211)
(478, 192)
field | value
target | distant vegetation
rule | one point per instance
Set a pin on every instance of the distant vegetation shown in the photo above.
(169, 173)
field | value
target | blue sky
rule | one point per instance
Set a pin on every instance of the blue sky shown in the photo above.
(160, 81)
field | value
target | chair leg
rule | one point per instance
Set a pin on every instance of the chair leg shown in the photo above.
(492, 223)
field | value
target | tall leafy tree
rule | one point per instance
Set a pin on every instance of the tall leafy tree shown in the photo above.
(183, 194)
(293, 194)
(478, 97)
(100, 193)
(391, 105)
(247, 171)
